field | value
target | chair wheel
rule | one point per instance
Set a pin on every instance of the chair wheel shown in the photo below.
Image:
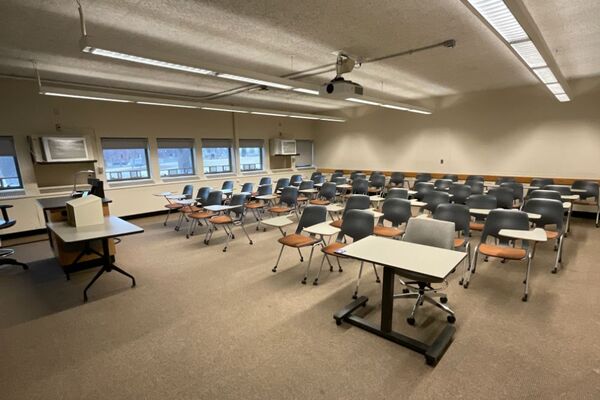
(460, 282)
(316, 282)
(524, 298)
(554, 270)
(233, 236)
(466, 285)
(251, 242)
(187, 236)
(274, 269)
(377, 280)
(304, 281)
(354, 296)
(451, 319)
(410, 320)
(340, 270)
(338, 322)
(443, 300)
(405, 290)
(330, 269)
(301, 259)
(225, 249)
(206, 242)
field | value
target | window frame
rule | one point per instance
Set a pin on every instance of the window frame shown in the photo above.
(17, 167)
(226, 143)
(251, 144)
(188, 142)
(146, 154)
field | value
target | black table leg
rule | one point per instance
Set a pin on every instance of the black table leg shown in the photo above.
(433, 353)
(107, 266)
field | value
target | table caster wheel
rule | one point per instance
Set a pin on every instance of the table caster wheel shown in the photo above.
(524, 298)
(451, 319)
(443, 300)
(405, 290)
(410, 321)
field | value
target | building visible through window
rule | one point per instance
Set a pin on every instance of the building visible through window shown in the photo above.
(10, 177)
(251, 154)
(216, 156)
(176, 157)
(125, 159)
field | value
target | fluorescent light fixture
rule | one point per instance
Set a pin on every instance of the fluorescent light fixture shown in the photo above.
(497, 14)
(562, 97)
(253, 81)
(555, 88)
(355, 100)
(545, 74)
(224, 109)
(303, 117)
(332, 119)
(419, 111)
(268, 113)
(306, 91)
(76, 96)
(529, 53)
(164, 104)
(147, 61)
(395, 107)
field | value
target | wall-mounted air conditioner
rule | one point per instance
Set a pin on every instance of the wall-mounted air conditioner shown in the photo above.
(283, 147)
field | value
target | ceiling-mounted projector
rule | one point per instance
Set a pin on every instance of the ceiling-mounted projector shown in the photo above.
(341, 88)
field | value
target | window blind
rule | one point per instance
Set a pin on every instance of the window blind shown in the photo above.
(175, 143)
(124, 143)
(212, 143)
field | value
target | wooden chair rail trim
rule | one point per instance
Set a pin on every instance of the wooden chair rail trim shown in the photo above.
(488, 178)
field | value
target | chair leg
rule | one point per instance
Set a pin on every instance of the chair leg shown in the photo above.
(468, 250)
(308, 266)
(411, 318)
(338, 263)
(376, 274)
(526, 293)
(229, 235)
(598, 216)
(355, 295)
(278, 258)
(438, 304)
(301, 258)
(167, 218)
(316, 281)
(558, 255)
(246, 233)
(471, 269)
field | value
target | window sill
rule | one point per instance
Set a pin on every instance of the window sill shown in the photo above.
(180, 178)
(135, 182)
(307, 167)
(250, 173)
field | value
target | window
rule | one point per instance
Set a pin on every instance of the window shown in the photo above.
(251, 154)
(125, 159)
(176, 157)
(10, 178)
(216, 155)
(304, 148)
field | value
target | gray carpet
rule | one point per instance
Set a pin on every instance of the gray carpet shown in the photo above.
(203, 324)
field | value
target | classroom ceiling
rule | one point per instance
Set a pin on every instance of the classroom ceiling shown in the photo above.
(279, 37)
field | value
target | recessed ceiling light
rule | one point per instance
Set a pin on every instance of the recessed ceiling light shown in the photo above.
(395, 107)
(530, 54)
(332, 119)
(497, 14)
(419, 111)
(224, 109)
(555, 88)
(253, 81)
(562, 97)
(76, 96)
(303, 117)
(355, 100)
(545, 74)
(268, 113)
(307, 91)
(164, 104)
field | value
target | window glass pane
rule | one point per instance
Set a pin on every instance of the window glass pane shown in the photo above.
(9, 174)
(251, 158)
(176, 161)
(216, 159)
(125, 164)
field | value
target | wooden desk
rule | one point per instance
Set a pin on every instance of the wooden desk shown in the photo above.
(406, 259)
(69, 254)
(112, 227)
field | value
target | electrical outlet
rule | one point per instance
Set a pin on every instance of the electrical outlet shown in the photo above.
(442, 161)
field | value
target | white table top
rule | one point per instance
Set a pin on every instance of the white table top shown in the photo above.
(343, 186)
(567, 205)
(323, 229)
(318, 184)
(334, 208)
(411, 192)
(578, 190)
(376, 214)
(277, 222)
(217, 208)
(417, 203)
(112, 227)
(404, 256)
(536, 235)
(570, 197)
(175, 196)
(484, 211)
(309, 191)
(163, 194)
(185, 202)
(376, 198)
(226, 191)
(267, 197)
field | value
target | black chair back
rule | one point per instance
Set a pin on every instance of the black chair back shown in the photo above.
(265, 180)
(215, 198)
(435, 198)
(551, 211)
(188, 191)
(281, 183)
(227, 185)
(311, 215)
(504, 219)
(360, 186)
(397, 193)
(358, 202)
(295, 180)
(422, 188)
(504, 196)
(289, 196)
(395, 210)
(460, 193)
(202, 195)
(442, 184)
(248, 187)
(357, 224)
(457, 213)
(545, 194)
(306, 185)
(328, 191)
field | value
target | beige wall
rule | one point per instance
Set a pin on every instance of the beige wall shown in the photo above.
(522, 131)
(23, 113)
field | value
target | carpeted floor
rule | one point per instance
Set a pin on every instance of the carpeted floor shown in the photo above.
(203, 324)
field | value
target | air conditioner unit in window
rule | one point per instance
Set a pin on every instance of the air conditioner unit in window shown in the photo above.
(283, 147)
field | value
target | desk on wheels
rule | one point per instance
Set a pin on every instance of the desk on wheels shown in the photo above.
(69, 254)
(111, 228)
(410, 260)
